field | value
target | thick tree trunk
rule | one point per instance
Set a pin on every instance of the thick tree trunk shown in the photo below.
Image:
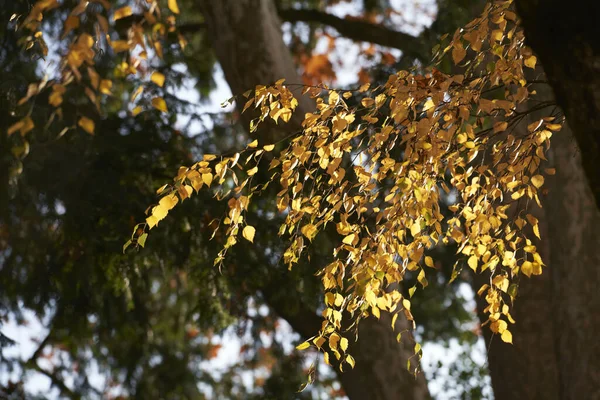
(574, 238)
(566, 39)
(527, 369)
(247, 38)
(556, 353)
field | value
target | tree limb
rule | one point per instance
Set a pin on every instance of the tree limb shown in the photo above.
(359, 30)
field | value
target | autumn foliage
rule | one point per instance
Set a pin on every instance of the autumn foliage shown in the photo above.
(378, 172)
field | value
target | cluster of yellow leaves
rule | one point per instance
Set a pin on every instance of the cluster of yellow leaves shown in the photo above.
(379, 173)
(142, 39)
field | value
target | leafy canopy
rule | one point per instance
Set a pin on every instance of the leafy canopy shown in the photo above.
(430, 138)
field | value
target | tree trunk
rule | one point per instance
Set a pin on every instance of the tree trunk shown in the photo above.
(527, 369)
(565, 38)
(574, 239)
(246, 36)
(556, 354)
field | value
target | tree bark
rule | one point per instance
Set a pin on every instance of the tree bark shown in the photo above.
(527, 369)
(565, 38)
(574, 239)
(247, 39)
(556, 354)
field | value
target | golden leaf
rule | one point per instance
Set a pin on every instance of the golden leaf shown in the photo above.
(159, 212)
(506, 337)
(303, 346)
(207, 178)
(152, 221)
(160, 104)
(87, 125)
(472, 263)
(158, 78)
(530, 62)
(429, 262)
(344, 344)
(119, 45)
(105, 86)
(537, 180)
(248, 233)
(173, 6)
(350, 360)
(349, 239)
(253, 144)
(458, 53)
(169, 201)
(137, 92)
(136, 111)
(122, 13)
(309, 231)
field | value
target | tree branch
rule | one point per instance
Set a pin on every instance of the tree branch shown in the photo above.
(359, 30)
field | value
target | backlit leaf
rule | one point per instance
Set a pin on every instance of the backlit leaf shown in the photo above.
(248, 233)
(160, 104)
(173, 6)
(122, 13)
(158, 78)
(303, 346)
(87, 125)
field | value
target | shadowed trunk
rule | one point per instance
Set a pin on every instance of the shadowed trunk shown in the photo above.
(565, 37)
(574, 239)
(556, 353)
(247, 38)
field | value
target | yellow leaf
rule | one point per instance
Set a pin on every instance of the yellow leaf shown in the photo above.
(119, 45)
(136, 111)
(309, 231)
(207, 178)
(344, 344)
(429, 261)
(269, 147)
(87, 125)
(252, 171)
(152, 221)
(415, 228)
(350, 360)
(105, 86)
(253, 144)
(248, 233)
(537, 180)
(158, 78)
(527, 268)
(303, 346)
(349, 239)
(458, 52)
(137, 92)
(159, 212)
(530, 62)
(122, 13)
(169, 201)
(160, 104)
(506, 336)
(472, 263)
(173, 6)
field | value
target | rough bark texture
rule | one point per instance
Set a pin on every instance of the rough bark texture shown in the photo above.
(565, 38)
(247, 39)
(574, 239)
(248, 42)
